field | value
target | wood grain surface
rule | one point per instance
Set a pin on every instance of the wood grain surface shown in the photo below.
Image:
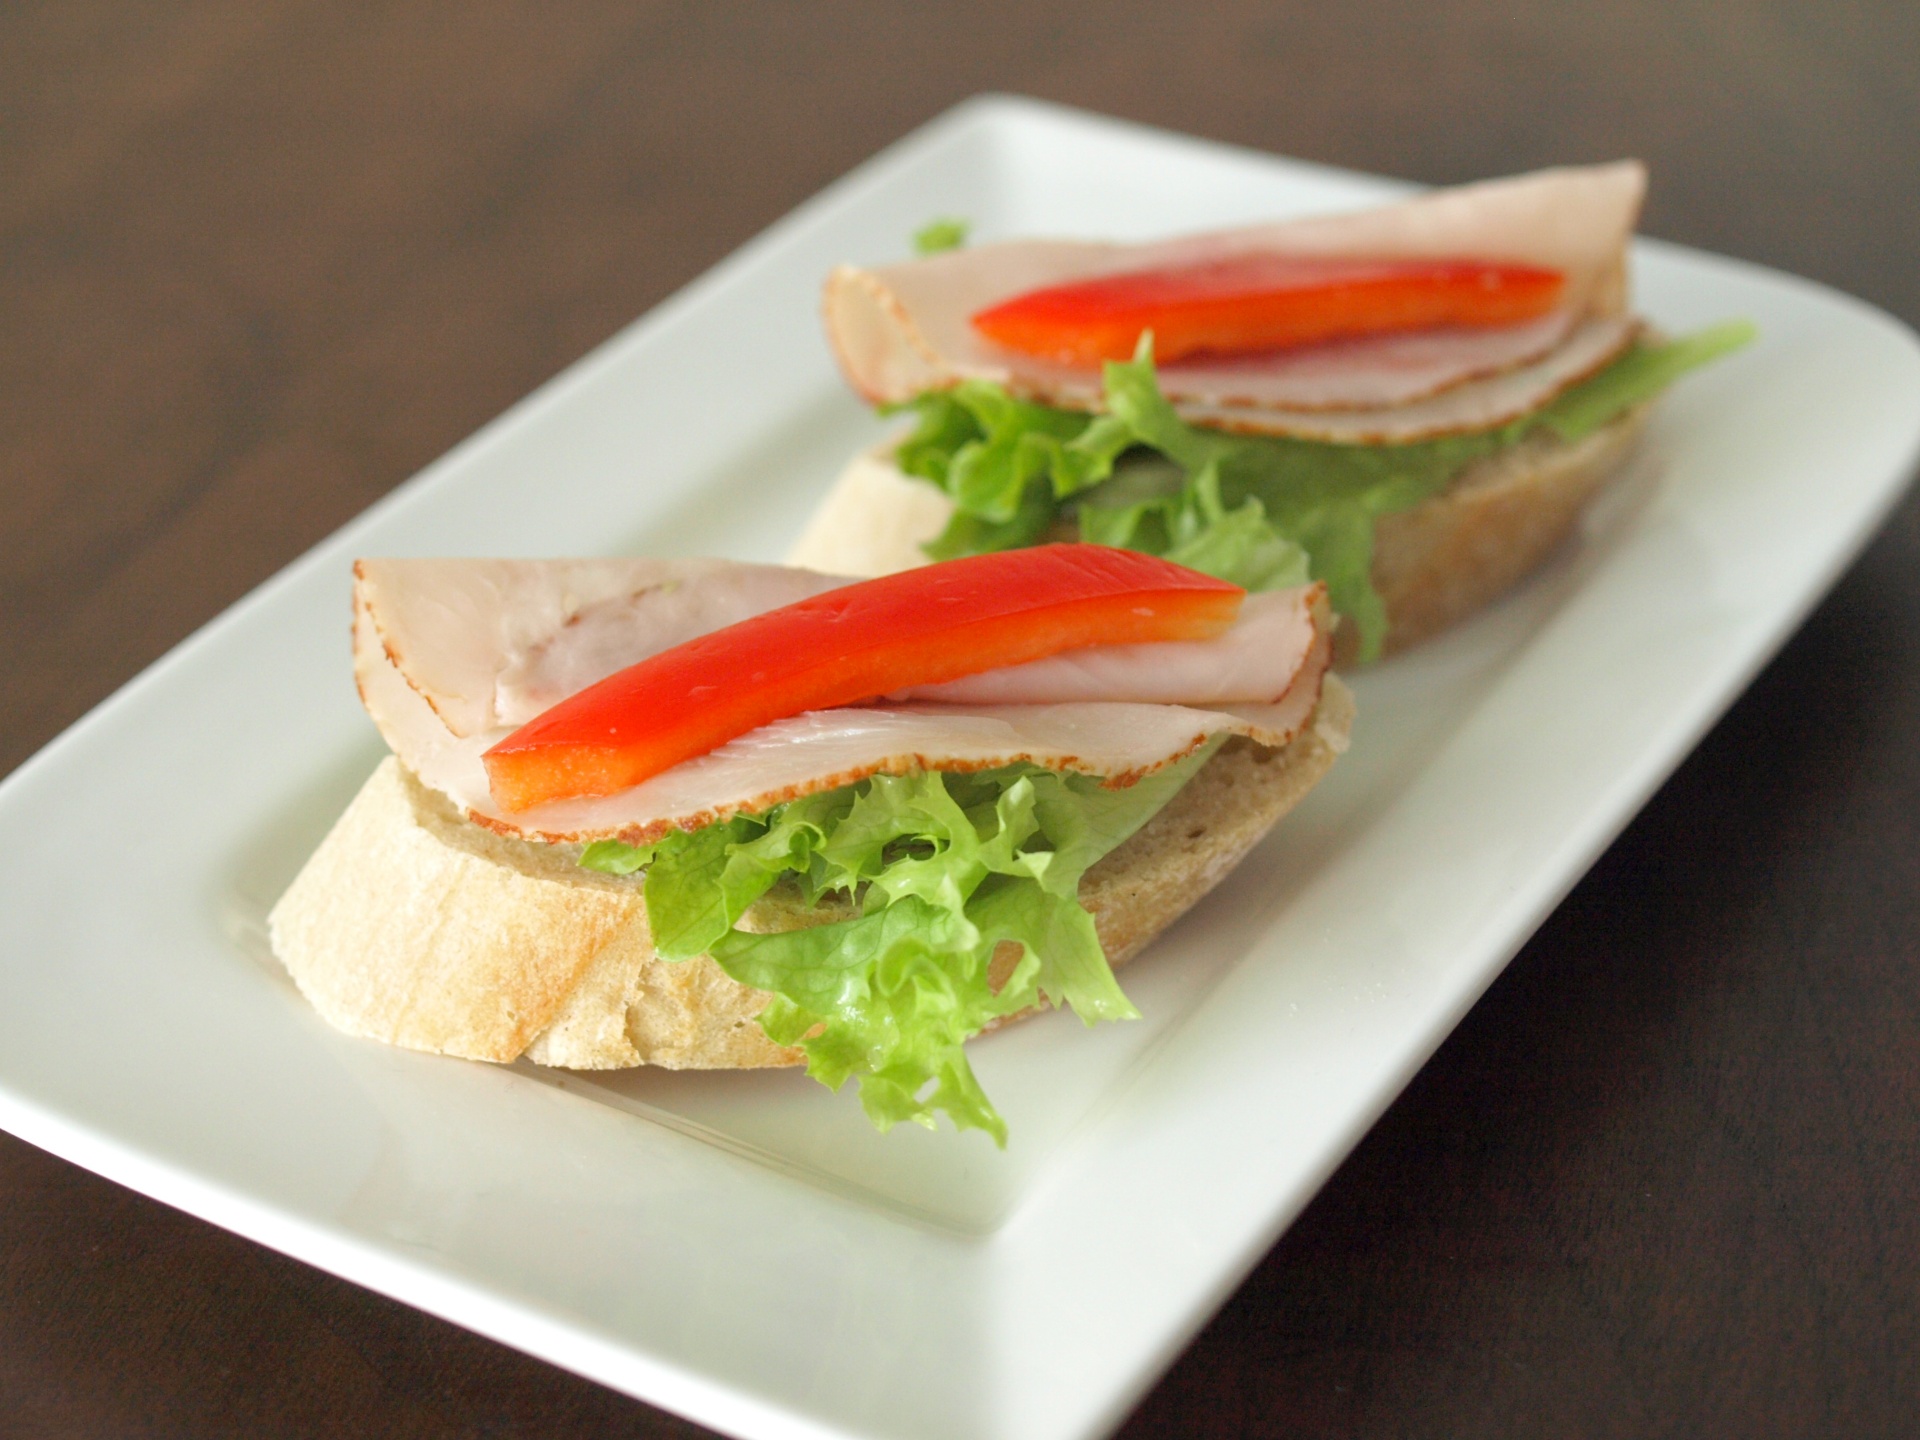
(260, 261)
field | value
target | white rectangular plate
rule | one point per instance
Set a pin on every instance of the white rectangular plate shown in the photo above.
(740, 1248)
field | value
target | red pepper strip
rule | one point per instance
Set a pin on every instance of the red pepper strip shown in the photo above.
(1250, 303)
(919, 627)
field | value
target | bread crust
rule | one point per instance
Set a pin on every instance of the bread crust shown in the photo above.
(413, 926)
(1498, 521)
(1434, 564)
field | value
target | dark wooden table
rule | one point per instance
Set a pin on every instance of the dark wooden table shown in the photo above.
(260, 261)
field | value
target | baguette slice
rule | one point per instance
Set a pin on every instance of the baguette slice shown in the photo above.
(412, 925)
(1434, 564)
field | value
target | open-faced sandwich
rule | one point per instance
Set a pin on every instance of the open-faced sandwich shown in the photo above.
(702, 814)
(1411, 404)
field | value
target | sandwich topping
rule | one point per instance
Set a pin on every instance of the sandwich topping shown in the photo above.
(454, 657)
(1250, 402)
(1251, 303)
(919, 628)
(1330, 359)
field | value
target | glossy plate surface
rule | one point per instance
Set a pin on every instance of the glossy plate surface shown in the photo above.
(740, 1247)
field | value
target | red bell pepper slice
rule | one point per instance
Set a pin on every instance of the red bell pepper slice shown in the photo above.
(1249, 303)
(919, 627)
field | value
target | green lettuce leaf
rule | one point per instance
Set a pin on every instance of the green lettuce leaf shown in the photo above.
(1642, 373)
(943, 869)
(1264, 512)
(946, 233)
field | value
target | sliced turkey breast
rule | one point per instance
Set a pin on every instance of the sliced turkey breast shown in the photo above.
(900, 330)
(453, 655)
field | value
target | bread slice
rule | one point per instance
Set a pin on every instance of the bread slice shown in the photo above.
(1498, 521)
(1502, 516)
(414, 926)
